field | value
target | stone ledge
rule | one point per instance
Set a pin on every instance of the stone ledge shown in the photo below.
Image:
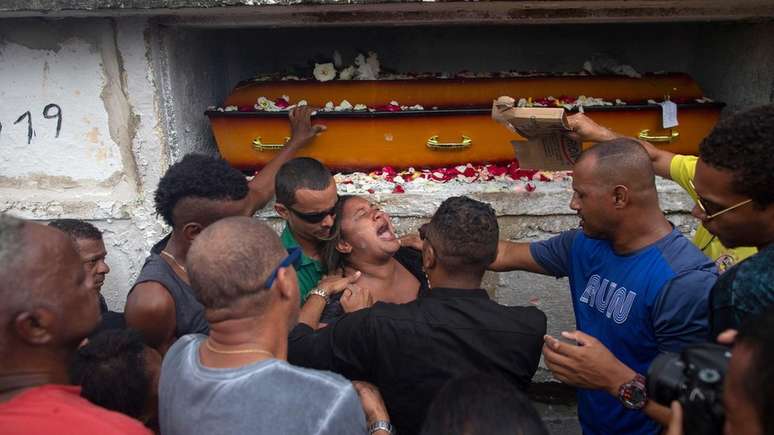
(360, 12)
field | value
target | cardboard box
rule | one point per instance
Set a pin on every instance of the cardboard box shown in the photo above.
(547, 145)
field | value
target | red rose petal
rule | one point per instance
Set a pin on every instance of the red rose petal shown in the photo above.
(398, 189)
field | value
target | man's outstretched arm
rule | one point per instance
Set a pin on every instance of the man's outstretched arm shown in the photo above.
(515, 256)
(302, 133)
(586, 130)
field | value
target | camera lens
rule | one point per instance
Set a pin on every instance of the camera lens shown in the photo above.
(666, 378)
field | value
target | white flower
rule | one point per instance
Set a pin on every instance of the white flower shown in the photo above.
(344, 105)
(360, 107)
(367, 69)
(302, 103)
(329, 106)
(416, 107)
(324, 71)
(231, 108)
(347, 73)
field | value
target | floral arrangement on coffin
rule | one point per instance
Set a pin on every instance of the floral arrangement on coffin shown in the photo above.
(283, 103)
(505, 177)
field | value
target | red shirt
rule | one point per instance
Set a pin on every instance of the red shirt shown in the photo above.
(59, 409)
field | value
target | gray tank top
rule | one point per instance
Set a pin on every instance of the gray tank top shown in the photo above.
(189, 313)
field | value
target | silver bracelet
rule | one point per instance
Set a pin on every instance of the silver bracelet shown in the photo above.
(321, 293)
(381, 425)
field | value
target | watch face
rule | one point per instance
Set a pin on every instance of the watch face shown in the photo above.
(634, 396)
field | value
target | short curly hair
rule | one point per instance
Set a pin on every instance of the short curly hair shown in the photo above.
(464, 233)
(744, 144)
(198, 176)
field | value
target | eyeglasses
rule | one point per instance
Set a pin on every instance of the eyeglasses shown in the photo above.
(704, 207)
(314, 218)
(294, 254)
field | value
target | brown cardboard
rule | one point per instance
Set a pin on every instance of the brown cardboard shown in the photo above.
(545, 129)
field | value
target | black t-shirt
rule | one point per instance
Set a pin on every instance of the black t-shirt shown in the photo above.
(410, 259)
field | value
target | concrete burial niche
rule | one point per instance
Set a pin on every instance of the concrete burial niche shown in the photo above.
(96, 102)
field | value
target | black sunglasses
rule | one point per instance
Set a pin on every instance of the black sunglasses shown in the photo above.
(314, 218)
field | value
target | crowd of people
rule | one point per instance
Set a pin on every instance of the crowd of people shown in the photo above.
(339, 326)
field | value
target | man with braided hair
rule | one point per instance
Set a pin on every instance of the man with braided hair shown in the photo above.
(411, 350)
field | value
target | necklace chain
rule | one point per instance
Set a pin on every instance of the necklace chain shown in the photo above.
(236, 352)
(163, 251)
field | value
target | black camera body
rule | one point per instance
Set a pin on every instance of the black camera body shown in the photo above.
(694, 377)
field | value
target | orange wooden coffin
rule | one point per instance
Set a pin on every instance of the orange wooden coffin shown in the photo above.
(459, 131)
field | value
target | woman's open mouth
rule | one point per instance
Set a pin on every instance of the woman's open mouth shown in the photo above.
(384, 232)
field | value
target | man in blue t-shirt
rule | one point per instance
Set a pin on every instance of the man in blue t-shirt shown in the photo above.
(638, 288)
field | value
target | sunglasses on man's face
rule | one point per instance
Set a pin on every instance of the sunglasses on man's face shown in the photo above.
(294, 255)
(313, 218)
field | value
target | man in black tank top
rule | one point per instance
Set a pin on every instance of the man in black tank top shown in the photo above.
(191, 195)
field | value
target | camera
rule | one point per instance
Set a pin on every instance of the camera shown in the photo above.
(694, 377)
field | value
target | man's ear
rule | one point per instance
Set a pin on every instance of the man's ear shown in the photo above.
(281, 210)
(620, 196)
(191, 230)
(286, 283)
(344, 247)
(35, 326)
(428, 257)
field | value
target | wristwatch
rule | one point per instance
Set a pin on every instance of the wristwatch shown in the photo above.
(319, 291)
(633, 394)
(381, 425)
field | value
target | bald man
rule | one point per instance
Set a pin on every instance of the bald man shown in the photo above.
(638, 288)
(49, 306)
(237, 379)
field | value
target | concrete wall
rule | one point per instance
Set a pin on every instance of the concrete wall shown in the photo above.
(104, 161)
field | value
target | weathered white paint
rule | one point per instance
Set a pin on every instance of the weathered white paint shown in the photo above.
(105, 164)
(73, 78)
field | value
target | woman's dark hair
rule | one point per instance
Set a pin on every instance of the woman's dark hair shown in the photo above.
(111, 371)
(481, 404)
(331, 258)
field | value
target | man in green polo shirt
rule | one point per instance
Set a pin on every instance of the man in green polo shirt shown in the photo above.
(306, 200)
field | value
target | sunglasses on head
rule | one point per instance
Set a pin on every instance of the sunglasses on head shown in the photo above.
(294, 254)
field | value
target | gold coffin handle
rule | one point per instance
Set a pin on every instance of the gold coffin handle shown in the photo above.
(260, 146)
(433, 144)
(645, 135)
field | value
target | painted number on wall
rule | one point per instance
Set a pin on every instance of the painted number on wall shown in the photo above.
(51, 111)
